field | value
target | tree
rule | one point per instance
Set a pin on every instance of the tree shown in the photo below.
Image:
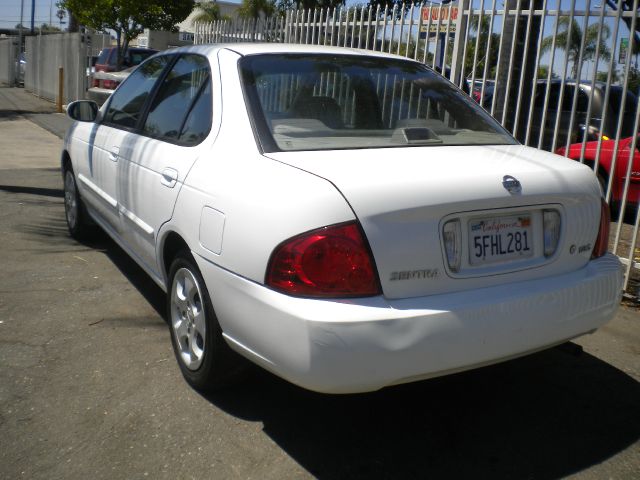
(634, 80)
(46, 28)
(543, 72)
(208, 12)
(306, 4)
(253, 8)
(482, 31)
(128, 18)
(575, 36)
(603, 76)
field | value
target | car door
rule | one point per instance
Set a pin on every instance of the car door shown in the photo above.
(155, 163)
(117, 127)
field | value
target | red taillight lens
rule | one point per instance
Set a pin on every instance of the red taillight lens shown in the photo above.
(110, 84)
(329, 262)
(95, 83)
(602, 240)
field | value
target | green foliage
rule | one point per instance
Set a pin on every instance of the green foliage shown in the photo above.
(603, 76)
(207, 12)
(634, 80)
(543, 72)
(128, 18)
(482, 31)
(318, 3)
(570, 39)
(45, 27)
(255, 8)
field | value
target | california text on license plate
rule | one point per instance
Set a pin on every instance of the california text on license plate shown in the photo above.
(497, 239)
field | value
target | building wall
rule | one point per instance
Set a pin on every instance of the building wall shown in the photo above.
(8, 55)
(161, 40)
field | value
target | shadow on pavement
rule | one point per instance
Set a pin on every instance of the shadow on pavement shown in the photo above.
(53, 230)
(16, 114)
(543, 416)
(130, 269)
(46, 192)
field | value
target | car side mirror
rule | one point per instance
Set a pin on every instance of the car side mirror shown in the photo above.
(83, 110)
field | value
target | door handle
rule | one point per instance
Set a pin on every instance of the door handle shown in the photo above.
(114, 154)
(169, 177)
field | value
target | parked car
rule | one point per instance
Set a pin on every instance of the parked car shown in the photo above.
(347, 220)
(599, 110)
(105, 78)
(476, 93)
(108, 59)
(605, 166)
(105, 83)
(21, 63)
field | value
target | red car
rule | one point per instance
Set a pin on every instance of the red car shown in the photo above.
(605, 166)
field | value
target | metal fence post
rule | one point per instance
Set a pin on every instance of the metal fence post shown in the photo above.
(60, 88)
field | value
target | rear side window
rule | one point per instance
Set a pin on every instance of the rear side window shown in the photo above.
(126, 102)
(198, 123)
(177, 96)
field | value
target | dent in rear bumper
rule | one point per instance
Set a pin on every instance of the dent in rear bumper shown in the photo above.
(344, 346)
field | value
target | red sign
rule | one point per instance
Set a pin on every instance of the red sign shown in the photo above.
(441, 13)
(445, 14)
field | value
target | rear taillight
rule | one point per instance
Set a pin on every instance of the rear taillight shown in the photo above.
(110, 84)
(602, 240)
(330, 262)
(95, 83)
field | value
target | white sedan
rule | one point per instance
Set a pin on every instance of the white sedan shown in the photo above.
(347, 220)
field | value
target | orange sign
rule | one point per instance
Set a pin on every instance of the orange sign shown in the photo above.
(445, 15)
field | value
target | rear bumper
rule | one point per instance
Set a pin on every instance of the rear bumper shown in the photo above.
(345, 346)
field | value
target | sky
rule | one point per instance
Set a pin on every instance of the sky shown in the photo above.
(10, 12)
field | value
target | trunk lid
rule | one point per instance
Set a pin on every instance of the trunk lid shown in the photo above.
(404, 196)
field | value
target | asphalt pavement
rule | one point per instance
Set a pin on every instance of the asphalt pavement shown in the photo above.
(89, 387)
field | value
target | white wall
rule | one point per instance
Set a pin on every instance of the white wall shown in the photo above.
(45, 54)
(8, 54)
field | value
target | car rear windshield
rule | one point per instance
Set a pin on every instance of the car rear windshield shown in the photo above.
(134, 56)
(103, 58)
(328, 102)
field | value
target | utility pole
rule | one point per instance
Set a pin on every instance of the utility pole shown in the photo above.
(33, 15)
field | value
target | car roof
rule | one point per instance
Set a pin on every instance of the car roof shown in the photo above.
(245, 49)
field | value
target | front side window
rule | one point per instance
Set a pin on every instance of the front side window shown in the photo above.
(126, 103)
(176, 96)
(324, 102)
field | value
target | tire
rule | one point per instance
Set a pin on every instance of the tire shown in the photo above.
(206, 361)
(78, 223)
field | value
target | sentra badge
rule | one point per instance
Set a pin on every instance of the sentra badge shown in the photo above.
(511, 184)
(429, 273)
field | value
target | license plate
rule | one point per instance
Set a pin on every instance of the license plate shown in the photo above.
(499, 239)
